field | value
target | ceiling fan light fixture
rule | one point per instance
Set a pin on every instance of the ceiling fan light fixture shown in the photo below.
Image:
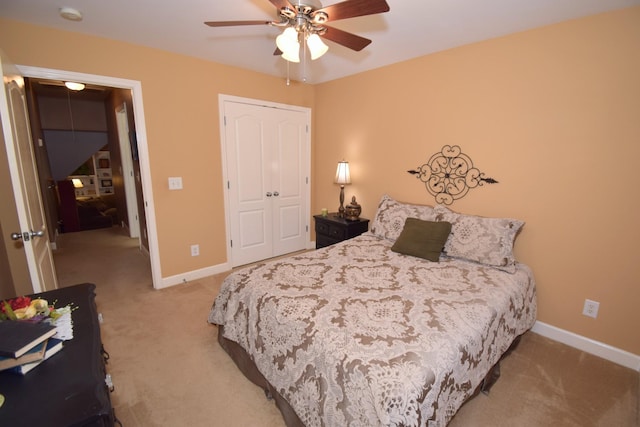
(289, 45)
(293, 56)
(288, 40)
(74, 86)
(317, 47)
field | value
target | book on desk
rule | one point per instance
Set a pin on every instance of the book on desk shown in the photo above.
(35, 354)
(17, 337)
(53, 345)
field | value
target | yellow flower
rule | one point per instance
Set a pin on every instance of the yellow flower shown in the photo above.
(40, 305)
(25, 313)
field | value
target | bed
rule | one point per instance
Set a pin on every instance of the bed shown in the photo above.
(369, 333)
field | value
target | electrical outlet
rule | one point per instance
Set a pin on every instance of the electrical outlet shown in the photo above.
(195, 250)
(591, 308)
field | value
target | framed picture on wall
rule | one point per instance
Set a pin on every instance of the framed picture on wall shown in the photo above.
(103, 163)
(106, 183)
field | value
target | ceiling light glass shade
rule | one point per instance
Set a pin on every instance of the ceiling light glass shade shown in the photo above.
(343, 176)
(288, 43)
(74, 85)
(293, 56)
(317, 48)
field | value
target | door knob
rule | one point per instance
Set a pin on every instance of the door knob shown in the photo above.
(36, 233)
(276, 194)
(269, 194)
(27, 236)
(17, 236)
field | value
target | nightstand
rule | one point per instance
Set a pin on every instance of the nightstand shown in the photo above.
(332, 229)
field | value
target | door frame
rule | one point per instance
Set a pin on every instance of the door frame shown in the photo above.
(222, 98)
(141, 135)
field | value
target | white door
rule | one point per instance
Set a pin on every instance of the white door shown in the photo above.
(267, 163)
(122, 121)
(24, 180)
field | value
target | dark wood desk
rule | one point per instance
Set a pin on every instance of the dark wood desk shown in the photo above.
(68, 389)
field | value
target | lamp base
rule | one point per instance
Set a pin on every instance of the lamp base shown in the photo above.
(341, 208)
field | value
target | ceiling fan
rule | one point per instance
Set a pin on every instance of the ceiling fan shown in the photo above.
(305, 21)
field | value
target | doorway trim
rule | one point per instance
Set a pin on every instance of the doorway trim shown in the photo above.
(143, 150)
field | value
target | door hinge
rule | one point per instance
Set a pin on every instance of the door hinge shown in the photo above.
(228, 185)
(306, 228)
(306, 180)
(231, 242)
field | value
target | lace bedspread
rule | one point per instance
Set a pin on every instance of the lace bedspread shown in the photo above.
(357, 335)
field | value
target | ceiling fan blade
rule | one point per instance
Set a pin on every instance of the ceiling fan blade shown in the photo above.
(346, 39)
(352, 8)
(234, 23)
(279, 4)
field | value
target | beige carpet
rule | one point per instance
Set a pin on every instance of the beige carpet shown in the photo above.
(168, 369)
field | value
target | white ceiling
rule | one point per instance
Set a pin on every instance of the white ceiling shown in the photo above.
(412, 28)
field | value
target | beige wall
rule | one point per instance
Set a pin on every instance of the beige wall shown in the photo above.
(552, 114)
(180, 97)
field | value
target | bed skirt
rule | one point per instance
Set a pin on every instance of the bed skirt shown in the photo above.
(244, 362)
(249, 369)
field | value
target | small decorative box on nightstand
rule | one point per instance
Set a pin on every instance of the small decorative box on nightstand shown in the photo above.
(332, 229)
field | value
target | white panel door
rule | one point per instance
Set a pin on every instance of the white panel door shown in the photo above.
(24, 179)
(267, 153)
(249, 184)
(289, 182)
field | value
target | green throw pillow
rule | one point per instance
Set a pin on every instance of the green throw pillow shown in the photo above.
(423, 239)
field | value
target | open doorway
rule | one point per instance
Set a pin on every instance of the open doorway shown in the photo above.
(86, 164)
(140, 174)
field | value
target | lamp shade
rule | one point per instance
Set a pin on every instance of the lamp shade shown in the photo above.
(343, 176)
(77, 183)
(288, 43)
(317, 48)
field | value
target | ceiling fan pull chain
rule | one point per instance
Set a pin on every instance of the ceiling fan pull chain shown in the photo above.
(304, 56)
(288, 81)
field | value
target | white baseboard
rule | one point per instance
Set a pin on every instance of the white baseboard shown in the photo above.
(194, 275)
(588, 345)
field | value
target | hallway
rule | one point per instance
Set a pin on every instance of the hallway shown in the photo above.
(106, 257)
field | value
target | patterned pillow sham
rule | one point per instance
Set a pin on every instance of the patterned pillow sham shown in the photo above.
(485, 240)
(391, 216)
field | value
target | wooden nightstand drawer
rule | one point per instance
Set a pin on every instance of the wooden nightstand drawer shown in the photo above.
(322, 227)
(337, 232)
(333, 229)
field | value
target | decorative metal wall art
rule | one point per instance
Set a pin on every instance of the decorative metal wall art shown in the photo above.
(449, 174)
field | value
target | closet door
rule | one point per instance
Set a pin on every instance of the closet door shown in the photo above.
(267, 151)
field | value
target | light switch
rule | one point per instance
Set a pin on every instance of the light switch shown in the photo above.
(175, 183)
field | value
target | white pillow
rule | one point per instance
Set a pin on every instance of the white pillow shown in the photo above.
(391, 216)
(485, 240)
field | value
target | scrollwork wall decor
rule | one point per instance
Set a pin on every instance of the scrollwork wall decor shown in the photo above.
(449, 175)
